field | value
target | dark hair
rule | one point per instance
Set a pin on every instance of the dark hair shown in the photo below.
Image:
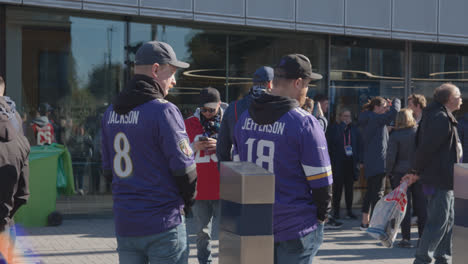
(376, 101)
(442, 93)
(418, 99)
(320, 98)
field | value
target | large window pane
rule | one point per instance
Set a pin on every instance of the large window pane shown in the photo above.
(204, 50)
(247, 52)
(364, 68)
(433, 65)
(75, 64)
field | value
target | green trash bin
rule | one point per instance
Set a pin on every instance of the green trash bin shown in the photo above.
(50, 172)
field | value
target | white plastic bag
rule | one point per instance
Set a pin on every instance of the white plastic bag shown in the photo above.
(388, 214)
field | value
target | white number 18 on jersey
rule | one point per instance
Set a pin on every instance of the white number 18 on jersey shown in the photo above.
(262, 155)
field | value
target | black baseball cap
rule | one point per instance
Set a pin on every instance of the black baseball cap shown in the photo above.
(295, 66)
(209, 97)
(44, 108)
(158, 52)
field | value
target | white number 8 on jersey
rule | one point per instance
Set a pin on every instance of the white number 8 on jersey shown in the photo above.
(122, 150)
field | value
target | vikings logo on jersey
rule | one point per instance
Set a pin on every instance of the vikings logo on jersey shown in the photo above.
(185, 147)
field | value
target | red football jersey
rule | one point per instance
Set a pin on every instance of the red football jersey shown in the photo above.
(207, 164)
(44, 135)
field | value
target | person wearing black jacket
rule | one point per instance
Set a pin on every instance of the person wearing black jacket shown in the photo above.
(437, 150)
(343, 145)
(400, 153)
(14, 179)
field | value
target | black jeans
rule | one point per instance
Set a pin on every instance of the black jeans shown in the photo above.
(344, 178)
(417, 202)
(375, 191)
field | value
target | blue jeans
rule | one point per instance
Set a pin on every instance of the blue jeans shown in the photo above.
(437, 235)
(205, 212)
(301, 250)
(169, 247)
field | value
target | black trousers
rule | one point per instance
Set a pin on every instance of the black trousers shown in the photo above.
(343, 178)
(375, 191)
(416, 202)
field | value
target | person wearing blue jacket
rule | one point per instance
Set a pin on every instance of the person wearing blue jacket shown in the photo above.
(378, 114)
(343, 144)
(262, 82)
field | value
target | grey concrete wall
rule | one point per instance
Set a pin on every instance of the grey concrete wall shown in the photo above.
(425, 20)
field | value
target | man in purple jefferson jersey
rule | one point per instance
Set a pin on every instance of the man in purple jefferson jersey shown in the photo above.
(278, 135)
(146, 150)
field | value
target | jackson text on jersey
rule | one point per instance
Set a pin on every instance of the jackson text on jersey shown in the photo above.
(131, 118)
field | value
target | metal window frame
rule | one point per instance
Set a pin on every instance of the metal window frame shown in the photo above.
(3, 41)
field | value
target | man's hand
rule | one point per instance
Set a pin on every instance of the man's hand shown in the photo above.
(199, 145)
(211, 145)
(208, 145)
(411, 178)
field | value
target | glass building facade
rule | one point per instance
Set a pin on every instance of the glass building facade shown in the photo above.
(77, 62)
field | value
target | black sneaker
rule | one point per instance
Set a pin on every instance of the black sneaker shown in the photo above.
(364, 227)
(332, 224)
(405, 244)
(351, 216)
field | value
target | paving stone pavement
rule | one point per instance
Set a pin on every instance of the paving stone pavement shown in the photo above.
(93, 241)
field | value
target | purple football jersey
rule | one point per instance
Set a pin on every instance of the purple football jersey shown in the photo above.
(143, 148)
(294, 148)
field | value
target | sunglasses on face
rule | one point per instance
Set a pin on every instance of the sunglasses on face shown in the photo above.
(210, 110)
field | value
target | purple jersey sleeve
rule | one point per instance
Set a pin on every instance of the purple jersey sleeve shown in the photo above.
(314, 156)
(175, 142)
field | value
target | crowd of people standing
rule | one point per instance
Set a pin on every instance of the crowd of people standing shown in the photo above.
(313, 160)
(165, 168)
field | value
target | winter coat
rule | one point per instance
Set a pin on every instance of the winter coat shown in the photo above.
(400, 151)
(336, 141)
(375, 138)
(14, 171)
(226, 134)
(436, 147)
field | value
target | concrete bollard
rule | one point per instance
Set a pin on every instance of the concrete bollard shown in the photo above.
(460, 229)
(247, 195)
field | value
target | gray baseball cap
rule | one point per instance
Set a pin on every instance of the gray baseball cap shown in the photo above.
(158, 52)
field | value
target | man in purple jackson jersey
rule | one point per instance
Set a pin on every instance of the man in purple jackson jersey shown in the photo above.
(278, 135)
(146, 150)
